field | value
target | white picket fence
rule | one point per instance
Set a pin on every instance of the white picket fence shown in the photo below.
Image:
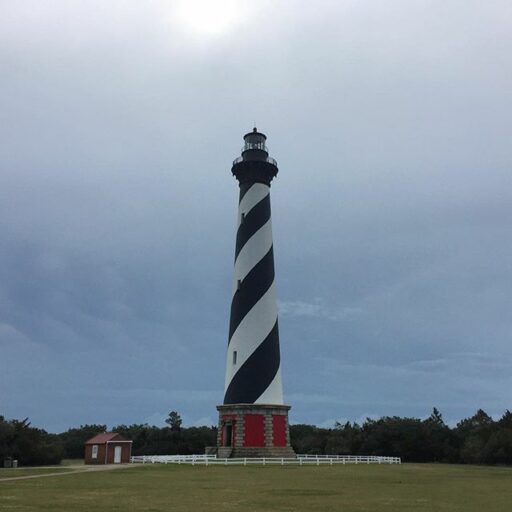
(300, 460)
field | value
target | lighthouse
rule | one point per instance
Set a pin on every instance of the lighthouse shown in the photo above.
(253, 420)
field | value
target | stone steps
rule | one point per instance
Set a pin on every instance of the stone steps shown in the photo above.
(284, 452)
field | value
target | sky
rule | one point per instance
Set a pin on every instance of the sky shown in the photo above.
(391, 123)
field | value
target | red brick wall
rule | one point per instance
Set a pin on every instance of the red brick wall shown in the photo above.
(254, 430)
(100, 459)
(279, 430)
(125, 452)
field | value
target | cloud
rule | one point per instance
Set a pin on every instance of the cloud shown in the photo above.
(9, 334)
(390, 211)
(317, 309)
(157, 419)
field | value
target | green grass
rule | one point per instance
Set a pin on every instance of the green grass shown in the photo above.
(408, 487)
(72, 462)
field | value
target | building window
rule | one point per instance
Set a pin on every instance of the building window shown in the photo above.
(94, 451)
(234, 356)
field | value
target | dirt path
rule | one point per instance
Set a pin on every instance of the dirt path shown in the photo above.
(83, 469)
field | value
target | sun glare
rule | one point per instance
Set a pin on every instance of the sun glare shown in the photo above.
(212, 17)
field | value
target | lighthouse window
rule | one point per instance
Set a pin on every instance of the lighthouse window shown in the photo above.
(242, 217)
(234, 356)
(238, 284)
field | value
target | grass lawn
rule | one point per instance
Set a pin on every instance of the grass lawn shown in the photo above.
(153, 488)
(72, 462)
(27, 471)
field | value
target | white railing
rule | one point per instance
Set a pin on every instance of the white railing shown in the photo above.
(301, 460)
(269, 159)
(172, 459)
(352, 459)
(255, 145)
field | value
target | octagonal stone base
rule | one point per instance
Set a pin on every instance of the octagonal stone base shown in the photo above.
(253, 430)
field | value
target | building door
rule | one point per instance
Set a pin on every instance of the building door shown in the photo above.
(117, 454)
(228, 434)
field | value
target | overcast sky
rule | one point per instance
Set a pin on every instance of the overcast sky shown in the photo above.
(391, 123)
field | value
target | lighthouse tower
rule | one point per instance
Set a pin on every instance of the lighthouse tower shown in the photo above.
(253, 421)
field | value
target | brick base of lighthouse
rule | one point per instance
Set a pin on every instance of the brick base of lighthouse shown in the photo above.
(250, 430)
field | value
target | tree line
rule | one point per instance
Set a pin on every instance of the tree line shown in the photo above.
(30, 446)
(475, 440)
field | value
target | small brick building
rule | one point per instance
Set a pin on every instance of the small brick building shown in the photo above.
(108, 448)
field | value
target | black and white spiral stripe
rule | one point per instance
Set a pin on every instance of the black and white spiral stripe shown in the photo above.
(253, 372)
